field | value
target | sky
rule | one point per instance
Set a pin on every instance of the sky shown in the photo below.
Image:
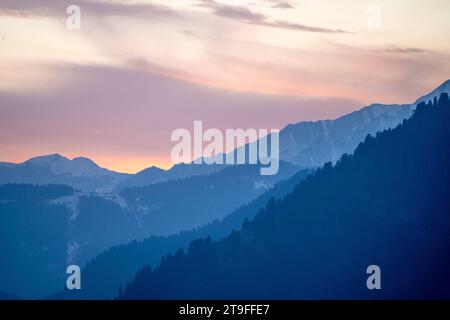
(114, 89)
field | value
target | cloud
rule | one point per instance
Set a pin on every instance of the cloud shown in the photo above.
(232, 12)
(299, 27)
(117, 116)
(95, 7)
(402, 50)
(282, 5)
(386, 50)
(245, 15)
(53, 8)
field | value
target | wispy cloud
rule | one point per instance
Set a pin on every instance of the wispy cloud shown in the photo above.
(95, 7)
(123, 118)
(240, 13)
(245, 15)
(111, 89)
(401, 50)
(52, 8)
(281, 5)
(299, 27)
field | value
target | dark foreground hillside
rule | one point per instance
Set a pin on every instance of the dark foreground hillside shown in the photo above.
(386, 205)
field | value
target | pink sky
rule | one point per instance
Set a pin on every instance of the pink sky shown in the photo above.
(114, 90)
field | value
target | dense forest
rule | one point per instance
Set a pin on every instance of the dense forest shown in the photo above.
(387, 204)
(166, 208)
(103, 275)
(33, 237)
(47, 227)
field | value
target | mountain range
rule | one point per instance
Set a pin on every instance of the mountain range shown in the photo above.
(80, 173)
(103, 282)
(70, 211)
(305, 144)
(50, 226)
(386, 205)
(311, 144)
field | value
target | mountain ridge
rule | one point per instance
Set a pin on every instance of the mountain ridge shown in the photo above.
(386, 204)
(307, 144)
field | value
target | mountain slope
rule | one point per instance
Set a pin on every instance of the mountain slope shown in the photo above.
(33, 238)
(305, 144)
(102, 279)
(311, 144)
(169, 207)
(385, 205)
(436, 93)
(155, 175)
(91, 223)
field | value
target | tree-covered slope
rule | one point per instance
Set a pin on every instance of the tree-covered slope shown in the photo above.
(386, 205)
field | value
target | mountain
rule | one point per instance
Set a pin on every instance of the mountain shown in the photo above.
(165, 203)
(386, 205)
(154, 175)
(80, 173)
(435, 94)
(33, 238)
(311, 144)
(305, 144)
(102, 280)
(88, 224)
(168, 207)
(84, 174)
(57, 164)
(104, 220)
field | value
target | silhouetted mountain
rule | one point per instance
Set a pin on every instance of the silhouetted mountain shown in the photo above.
(154, 175)
(305, 144)
(436, 93)
(386, 205)
(311, 144)
(91, 223)
(168, 207)
(80, 173)
(102, 277)
(33, 238)
(88, 223)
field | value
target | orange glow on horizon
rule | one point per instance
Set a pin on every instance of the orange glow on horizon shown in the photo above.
(132, 165)
(121, 164)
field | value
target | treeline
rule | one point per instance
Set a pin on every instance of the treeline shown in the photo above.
(28, 192)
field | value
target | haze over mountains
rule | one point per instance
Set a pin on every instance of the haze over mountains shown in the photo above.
(46, 227)
(311, 144)
(101, 281)
(49, 226)
(385, 205)
(80, 173)
(305, 144)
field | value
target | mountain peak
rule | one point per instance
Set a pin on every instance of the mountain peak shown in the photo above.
(151, 170)
(85, 161)
(42, 160)
(446, 83)
(436, 93)
(58, 164)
